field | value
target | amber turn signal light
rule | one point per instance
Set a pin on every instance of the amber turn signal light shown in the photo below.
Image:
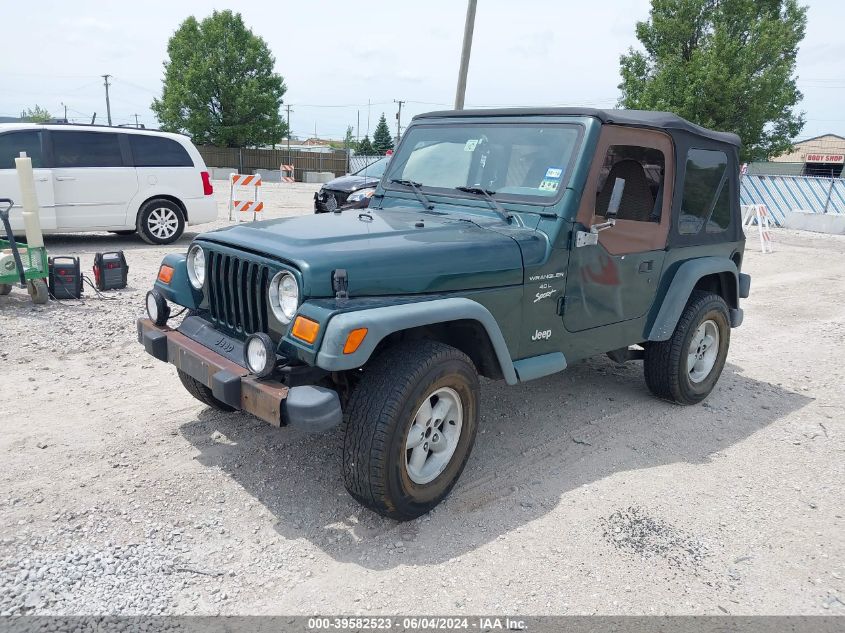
(354, 340)
(165, 274)
(305, 329)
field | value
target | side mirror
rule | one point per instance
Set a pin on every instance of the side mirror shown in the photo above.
(615, 199)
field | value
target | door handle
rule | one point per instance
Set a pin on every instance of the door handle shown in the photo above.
(42, 179)
(65, 178)
(645, 267)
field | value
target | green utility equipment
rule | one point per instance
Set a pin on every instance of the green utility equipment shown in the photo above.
(20, 263)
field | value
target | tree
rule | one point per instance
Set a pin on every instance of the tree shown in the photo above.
(724, 64)
(37, 115)
(382, 139)
(219, 84)
(349, 139)
(365, 148)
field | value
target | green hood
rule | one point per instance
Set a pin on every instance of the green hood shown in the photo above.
(388, 254)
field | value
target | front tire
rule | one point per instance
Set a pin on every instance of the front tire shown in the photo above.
(409, 428)
(685, 368)
(202, 393)
(160, 221)
(5, 289)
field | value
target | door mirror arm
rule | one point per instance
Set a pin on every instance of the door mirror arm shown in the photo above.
(583, 238)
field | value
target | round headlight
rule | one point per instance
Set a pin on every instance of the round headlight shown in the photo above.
(260, 355)
(157, 308)
(284, 296)
(196, 266)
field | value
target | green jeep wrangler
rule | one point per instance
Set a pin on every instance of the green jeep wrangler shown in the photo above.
(502, 243)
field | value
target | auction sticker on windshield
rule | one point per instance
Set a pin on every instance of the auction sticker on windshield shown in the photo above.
(551, 181)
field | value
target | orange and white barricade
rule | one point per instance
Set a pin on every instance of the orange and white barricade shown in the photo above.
(245, 197)
(759, 214)
(287, 173)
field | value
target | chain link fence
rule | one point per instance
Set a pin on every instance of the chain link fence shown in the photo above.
(358, 162)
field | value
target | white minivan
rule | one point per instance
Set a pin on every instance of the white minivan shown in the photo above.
(96, 178)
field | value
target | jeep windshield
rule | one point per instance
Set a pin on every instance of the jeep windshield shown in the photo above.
(518, 162)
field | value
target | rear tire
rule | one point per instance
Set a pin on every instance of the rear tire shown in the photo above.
(202, 393)
(685, 368)
(417, 397)
(160, 221)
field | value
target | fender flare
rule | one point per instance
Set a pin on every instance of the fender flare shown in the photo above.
(383, 321)
(680, 290)
(179, 290)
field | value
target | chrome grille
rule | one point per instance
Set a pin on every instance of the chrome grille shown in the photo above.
(237, 293)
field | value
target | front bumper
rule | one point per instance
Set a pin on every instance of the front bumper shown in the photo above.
(309, 408)
(322, 205)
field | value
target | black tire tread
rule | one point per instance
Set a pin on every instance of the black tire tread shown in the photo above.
(202, 393)
(662, 359)
(376, 401)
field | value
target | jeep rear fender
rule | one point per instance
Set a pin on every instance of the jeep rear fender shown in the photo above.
(707, 270)
(384, 321)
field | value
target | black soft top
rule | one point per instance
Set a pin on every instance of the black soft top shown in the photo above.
(638, 118)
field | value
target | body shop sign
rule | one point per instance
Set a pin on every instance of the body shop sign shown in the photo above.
(825, 158)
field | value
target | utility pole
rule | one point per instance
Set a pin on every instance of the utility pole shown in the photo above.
(108, 105)
(398, 119)
(465, 51)
(287, 107)
(137, 125)
(358, 127)
(65, 107)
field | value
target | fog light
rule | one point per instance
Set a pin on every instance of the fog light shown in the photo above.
(260, 355)
(157, 308)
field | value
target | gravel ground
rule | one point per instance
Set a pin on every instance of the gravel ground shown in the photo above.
(120, 494)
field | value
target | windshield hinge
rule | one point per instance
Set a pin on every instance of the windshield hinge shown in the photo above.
(340, 284)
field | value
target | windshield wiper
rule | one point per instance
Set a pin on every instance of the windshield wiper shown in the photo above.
(415, 187)
(498, 208)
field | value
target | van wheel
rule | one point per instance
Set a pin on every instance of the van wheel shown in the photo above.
(160, 221)
(202, 393)
(685, 368)
(409, 428)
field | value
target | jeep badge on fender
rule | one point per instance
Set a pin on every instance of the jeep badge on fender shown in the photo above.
(498, 243)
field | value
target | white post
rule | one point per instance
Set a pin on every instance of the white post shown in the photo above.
(29, 201)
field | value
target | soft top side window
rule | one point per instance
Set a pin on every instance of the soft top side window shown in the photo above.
(706, 203)
(643, 169)
(13, 143)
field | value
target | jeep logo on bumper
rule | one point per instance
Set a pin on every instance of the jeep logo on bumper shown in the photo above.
(224, 344)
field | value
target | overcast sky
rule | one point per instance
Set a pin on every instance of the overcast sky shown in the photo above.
(335, 56)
